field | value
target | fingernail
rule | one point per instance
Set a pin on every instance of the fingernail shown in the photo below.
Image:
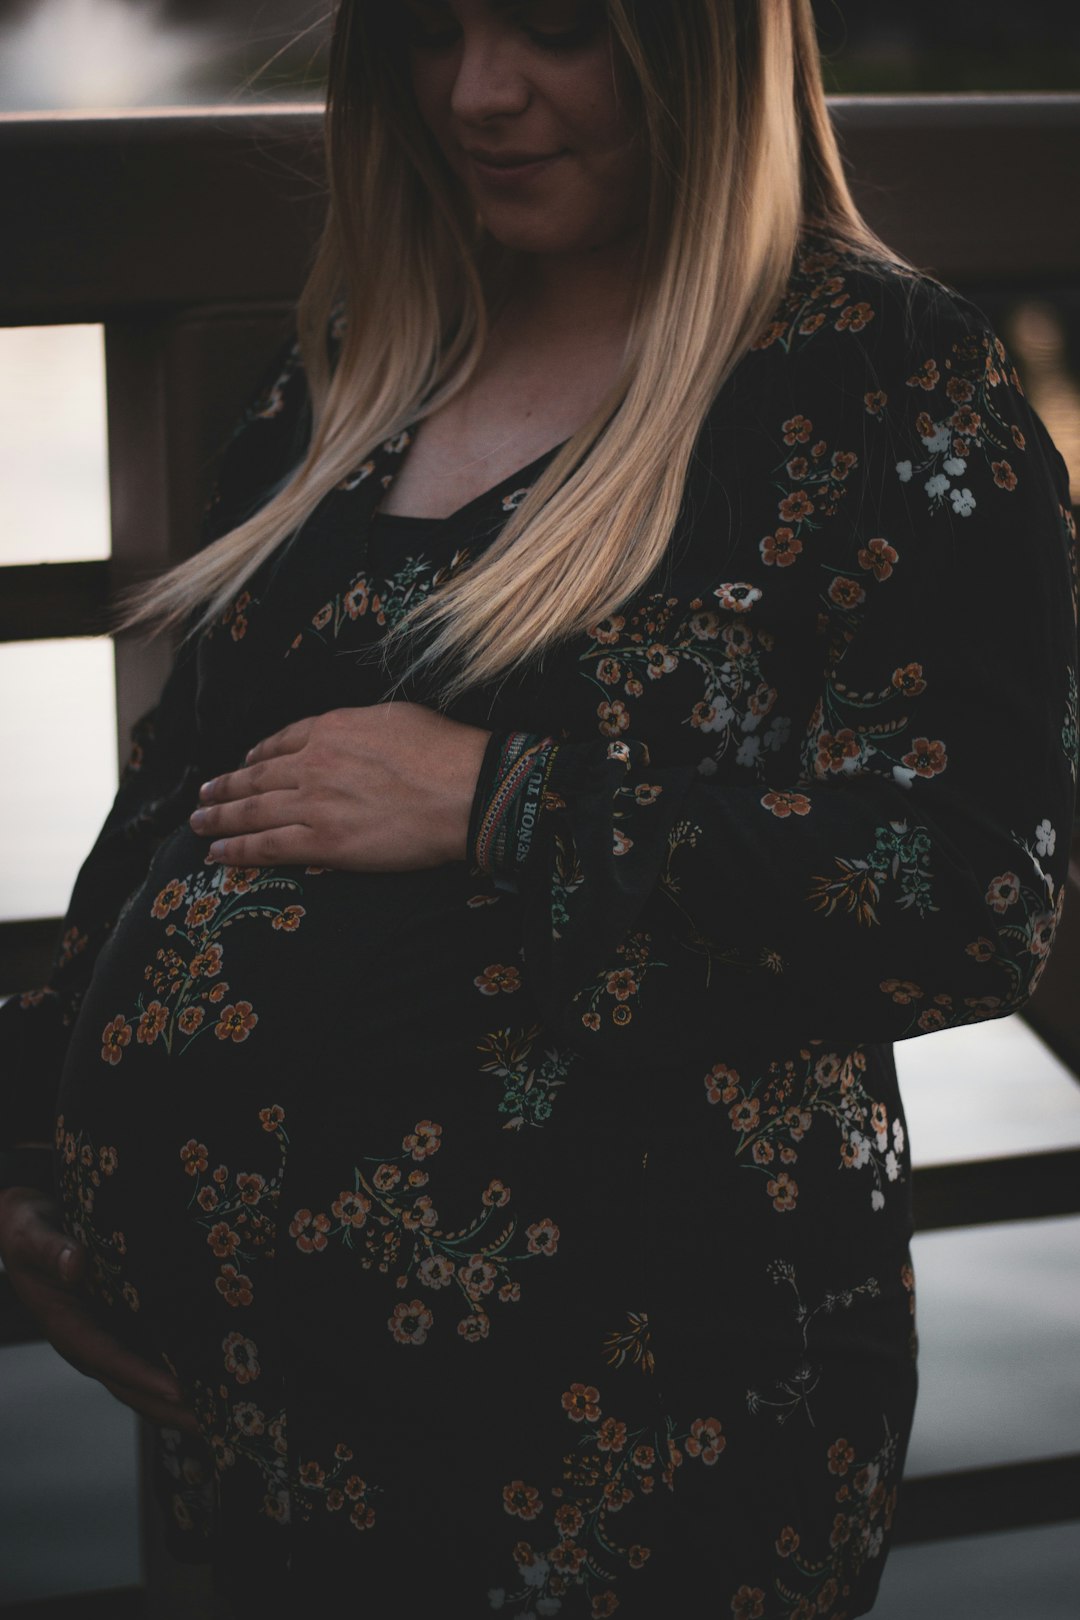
(66, 1263)
(217, 852)
(208, 788)
(197, 819)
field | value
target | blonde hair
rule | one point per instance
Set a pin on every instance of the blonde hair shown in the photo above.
(741, 155)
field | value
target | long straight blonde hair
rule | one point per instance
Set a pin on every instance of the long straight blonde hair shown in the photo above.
(741, 155)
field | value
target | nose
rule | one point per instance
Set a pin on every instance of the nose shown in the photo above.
(489, 83)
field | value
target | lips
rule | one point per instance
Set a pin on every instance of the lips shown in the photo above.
(509, 160)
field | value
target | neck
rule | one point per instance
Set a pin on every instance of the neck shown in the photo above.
(589, 294)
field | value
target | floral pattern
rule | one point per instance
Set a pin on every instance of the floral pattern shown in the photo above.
(481, 1197)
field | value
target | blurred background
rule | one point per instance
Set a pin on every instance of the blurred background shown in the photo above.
(999, 1306)
(95, 53)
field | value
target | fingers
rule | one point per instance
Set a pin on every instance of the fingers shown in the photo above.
(256, 813)
(289, 740)
(282, 846)
(264, 777)
(34, 1239)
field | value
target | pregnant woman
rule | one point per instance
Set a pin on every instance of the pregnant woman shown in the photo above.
(628, 684)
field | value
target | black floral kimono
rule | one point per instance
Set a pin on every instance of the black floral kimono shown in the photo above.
(531, 1233)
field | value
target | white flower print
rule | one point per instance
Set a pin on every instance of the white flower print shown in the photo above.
(903, 471)
(1045, 838)
(778, 733)
(903, 776)
(939, 440)
(955, 466)
(898, 1135)
(963, 501)
(935, 487)
(749, 751)
(892, 1168)
(877, 1199)
(497, 1596)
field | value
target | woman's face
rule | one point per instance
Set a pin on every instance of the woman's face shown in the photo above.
(526, 102)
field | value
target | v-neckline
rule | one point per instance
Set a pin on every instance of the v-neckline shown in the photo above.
(522, 476)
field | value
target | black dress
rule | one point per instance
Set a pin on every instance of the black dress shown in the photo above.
(531, 1234)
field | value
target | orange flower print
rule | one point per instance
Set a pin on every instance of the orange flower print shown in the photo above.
(581, 1401)
(236, 1022)
(748, 1603)
(351, 1209)
(190, 1020)
(783, 1192)
(926, 758)
(762, 1152)
(959, 390)
(568, 1557)
(744, 1115)
(622, 984)
(722, 1084)
(497, 977)
(170, 897)
(876, 401)
(223, 1240)
(288, 921)
(496, 1195)
(846, 593)
(611, 1435)
(797, 430)
(410, 1323)
(793, 508)
(772, 334)
(798, 467)
(114, 1037)
(854, 317)
(835, 751)
(609, 670)
(843, 462)
(614, 717)
(152, 1023)
(206, 964)
(193, 1156)
(737, 596)
(521, 1500)
(927, 377)
(786, 804)
(543, 1237)
(386, 1177)
(272, 1117)
(909, 680)
(423, 1141)
(568, 1518)
(878, 558)
(309, 1231)
(238, 879)
(787, 1542)
(841, 1457)
(638, 1556)
(1003, 892)
(234, 1287)
(1004, 477)
(241, 1358)
(903, 991)
(1018, 438)
(608, 630)
(706, 1440)
(966, 421)
(478, 1277)
(474, 1328)
(201, 910)
(780, 549)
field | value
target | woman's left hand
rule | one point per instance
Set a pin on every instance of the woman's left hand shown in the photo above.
(388, 788)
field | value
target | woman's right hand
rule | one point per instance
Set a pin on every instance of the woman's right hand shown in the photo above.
(48, 1271)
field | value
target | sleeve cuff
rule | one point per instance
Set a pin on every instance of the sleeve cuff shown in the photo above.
(508, 802)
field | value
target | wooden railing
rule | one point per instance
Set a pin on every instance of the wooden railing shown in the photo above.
(187, 234)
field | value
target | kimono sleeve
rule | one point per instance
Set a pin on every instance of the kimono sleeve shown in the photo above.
(156, 793)
(901, 867)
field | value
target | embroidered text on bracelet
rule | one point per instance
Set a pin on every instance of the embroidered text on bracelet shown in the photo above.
(509, 818)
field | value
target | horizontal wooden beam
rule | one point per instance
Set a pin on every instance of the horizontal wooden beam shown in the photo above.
(47, 600)
(977, 1192)
(980, 1501)
(225, 203)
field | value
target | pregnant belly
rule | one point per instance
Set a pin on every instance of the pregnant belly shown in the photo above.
(240, 1017)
